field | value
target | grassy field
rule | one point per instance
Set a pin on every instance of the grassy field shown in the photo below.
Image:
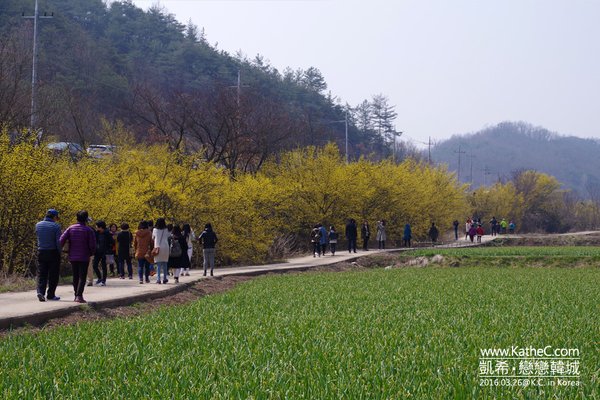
(379, 334)
(514, 251)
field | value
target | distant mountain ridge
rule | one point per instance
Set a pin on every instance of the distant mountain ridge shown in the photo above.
(509, 146)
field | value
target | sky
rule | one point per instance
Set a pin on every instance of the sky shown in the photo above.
(449, 66)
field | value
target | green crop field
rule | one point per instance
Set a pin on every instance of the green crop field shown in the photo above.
(514, 251)
(379, 334)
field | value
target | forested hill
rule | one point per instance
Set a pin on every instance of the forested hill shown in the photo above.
(501, 150)
(111, 61)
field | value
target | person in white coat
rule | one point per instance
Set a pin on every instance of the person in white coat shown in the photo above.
(381, 235)
(160, 237)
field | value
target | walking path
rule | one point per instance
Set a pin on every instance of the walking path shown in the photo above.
(21, 308)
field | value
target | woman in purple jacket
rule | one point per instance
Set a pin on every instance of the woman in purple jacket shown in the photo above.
(82, 245)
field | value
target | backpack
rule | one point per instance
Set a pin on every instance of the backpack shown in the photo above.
(175, 248)
(316, 235)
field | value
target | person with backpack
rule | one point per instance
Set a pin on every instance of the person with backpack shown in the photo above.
(209, 240)
(160, 251)
(315, 240)
(178, 256)
(82, 245)
(103, 244)
(351, 235)
(333, 238)
(124, 241)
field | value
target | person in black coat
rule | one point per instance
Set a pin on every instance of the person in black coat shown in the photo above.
(104, 241)
(351, 235)
(124, 242)
(365, 234)
(178, 255)
(433, 232)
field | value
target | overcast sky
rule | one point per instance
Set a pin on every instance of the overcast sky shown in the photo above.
(449, 66)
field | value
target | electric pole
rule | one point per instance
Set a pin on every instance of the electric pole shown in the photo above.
(471, 157)
(459, 152)
(486, 172)
(36, 16)
(429, 151)
(346, 126)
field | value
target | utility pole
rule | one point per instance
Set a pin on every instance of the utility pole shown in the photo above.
(346, 126)
(486, 172)
(36, 16)
(459, 152)
(471, 157)
(429, 151)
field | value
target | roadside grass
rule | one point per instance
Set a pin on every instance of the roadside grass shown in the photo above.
(375, 334)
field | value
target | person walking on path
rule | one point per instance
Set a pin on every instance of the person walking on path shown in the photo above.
(178, 256)
(494, 226)
(324, 238)
(365, 234)
(315, 240)
(381, 235)
(160, 251)
(503, 225)
(209, 240)
(124, 241)
(479, 231)
(103, 244)
(111, 251)
(351, 235)
(433, 233)
(511, 227)
(190, 237)
(455, 225)
(407, 235)
(333, 238)
(142, 246)
(82, 245)
(467, 227)
(472, 232)
(48, 245)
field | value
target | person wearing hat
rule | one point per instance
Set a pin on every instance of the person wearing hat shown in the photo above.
(48, 242)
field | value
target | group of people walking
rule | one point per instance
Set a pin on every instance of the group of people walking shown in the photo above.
(156, 248)
(474, 228)
(320, 237)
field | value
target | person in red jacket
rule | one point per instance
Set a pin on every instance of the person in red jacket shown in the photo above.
(480, 233)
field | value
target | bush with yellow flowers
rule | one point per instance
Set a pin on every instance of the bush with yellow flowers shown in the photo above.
(256, 216)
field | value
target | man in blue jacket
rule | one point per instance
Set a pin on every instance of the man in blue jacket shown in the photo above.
(48, 241)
